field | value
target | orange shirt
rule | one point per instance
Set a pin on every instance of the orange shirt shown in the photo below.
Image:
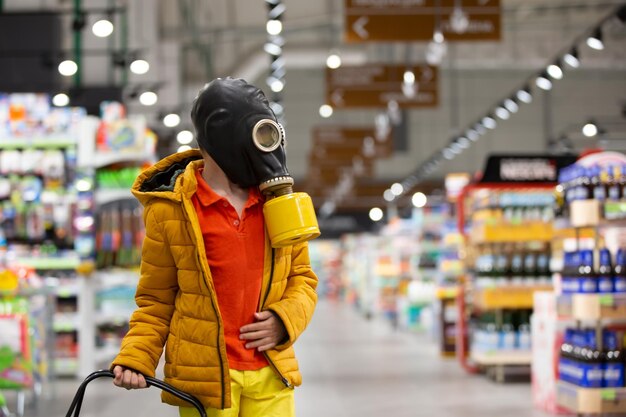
(235, 249)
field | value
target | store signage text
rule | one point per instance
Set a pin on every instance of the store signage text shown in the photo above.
(377, 85)
(410, 20)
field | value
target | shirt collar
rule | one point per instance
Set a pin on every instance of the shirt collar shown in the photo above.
(207, 196)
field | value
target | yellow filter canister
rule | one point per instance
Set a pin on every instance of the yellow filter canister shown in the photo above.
(290, 219)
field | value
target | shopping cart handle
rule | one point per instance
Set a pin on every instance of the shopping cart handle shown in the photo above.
(77, 402)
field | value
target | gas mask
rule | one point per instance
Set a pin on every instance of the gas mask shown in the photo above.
(235, 125)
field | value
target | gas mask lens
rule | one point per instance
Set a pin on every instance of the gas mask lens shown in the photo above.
(267, 135)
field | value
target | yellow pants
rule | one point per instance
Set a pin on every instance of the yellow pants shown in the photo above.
(253, 394)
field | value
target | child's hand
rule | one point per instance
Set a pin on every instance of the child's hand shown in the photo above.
(127, 378)
(266, 333)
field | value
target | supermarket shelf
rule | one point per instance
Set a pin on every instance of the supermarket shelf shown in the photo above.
(105, 354)
(64, 262)
(593, 306)
(591, 400)
(103, 159)
(118, 317)
(106, 195)
(502, 357)
(65, 366)
(528, 232)
(447, 293)
(48, 142)
(66, 322)
(506, 297)
(110, 278)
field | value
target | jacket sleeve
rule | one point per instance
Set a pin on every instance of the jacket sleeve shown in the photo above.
(156, 292)
(297, 304)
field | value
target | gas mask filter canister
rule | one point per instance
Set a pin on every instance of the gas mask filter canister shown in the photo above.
(289, 217)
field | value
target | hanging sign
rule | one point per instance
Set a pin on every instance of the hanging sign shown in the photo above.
(348, 142)
(525, 168)
(377, 85)
(416, 20)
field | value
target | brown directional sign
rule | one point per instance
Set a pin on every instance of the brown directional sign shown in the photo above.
(376, 85)
(348, 142)
(411, 20)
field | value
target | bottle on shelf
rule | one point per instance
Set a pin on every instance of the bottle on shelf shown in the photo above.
(605, 272)
(613, 179)
(569, 281)
(619, 278)
(593, 361)
(614, 361)
(587, 280)
(598, 186)
(568, 367)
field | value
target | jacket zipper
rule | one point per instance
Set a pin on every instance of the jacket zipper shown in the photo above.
(219, 327)
(267, 293)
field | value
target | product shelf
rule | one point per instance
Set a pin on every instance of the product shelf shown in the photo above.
(47, 142)
(591, 400)
(108, 195)
(103, 159)
(507, 297)
(526, 232)
(68, 262)
(447, 293)
(593, 306)
(501, 357)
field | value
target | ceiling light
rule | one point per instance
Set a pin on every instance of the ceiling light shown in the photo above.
(274, 27)
(419, 199)
(590, 129)
(102, 28)
(184, 148)
(438, 36)
(524, 95)
(595, 40)
(148, 98)
(326, 111)
(489, 122)
(171, 120)
(139, 66)
(555, 71)
(388, 196)
(409, 77)
(277, 85)
(480, 129)
(472, 135)
(61, 100)
(333, 61)
(511, 105)
(571, 58)
(184, 137)
(544, 82)
(448, 154)
(376, 214)
(397, 189)
(273, 49)
(502, 113)
(464, 142)
(68, 68)
(455, 148)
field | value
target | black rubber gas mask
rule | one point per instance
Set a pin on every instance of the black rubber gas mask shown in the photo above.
(237, 128)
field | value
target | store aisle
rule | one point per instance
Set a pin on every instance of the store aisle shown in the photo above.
(358, 368)
(352, 367)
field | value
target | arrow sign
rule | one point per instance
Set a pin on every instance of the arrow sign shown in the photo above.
(376, 85)
(359, 27)
(413, 20)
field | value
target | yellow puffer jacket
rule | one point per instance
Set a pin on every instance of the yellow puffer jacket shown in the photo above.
(176, 300)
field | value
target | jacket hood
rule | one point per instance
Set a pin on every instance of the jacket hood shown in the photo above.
(170, 178)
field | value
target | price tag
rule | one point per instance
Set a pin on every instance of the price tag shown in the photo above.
(606, 300)
(608, 394)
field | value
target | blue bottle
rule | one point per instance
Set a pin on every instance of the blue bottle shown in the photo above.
(605, 272)
(613, 376)
(619, 279)
(587, 280)
(592, 361)
(568, 367)
(569, 281)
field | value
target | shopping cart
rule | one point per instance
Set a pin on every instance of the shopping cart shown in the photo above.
(77, 402)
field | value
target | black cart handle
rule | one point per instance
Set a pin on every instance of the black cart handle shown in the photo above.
(77, 402)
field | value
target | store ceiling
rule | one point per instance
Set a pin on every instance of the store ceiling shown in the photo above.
(532, 32)
(193, 41)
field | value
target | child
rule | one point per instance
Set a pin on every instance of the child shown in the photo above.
(225, 303)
